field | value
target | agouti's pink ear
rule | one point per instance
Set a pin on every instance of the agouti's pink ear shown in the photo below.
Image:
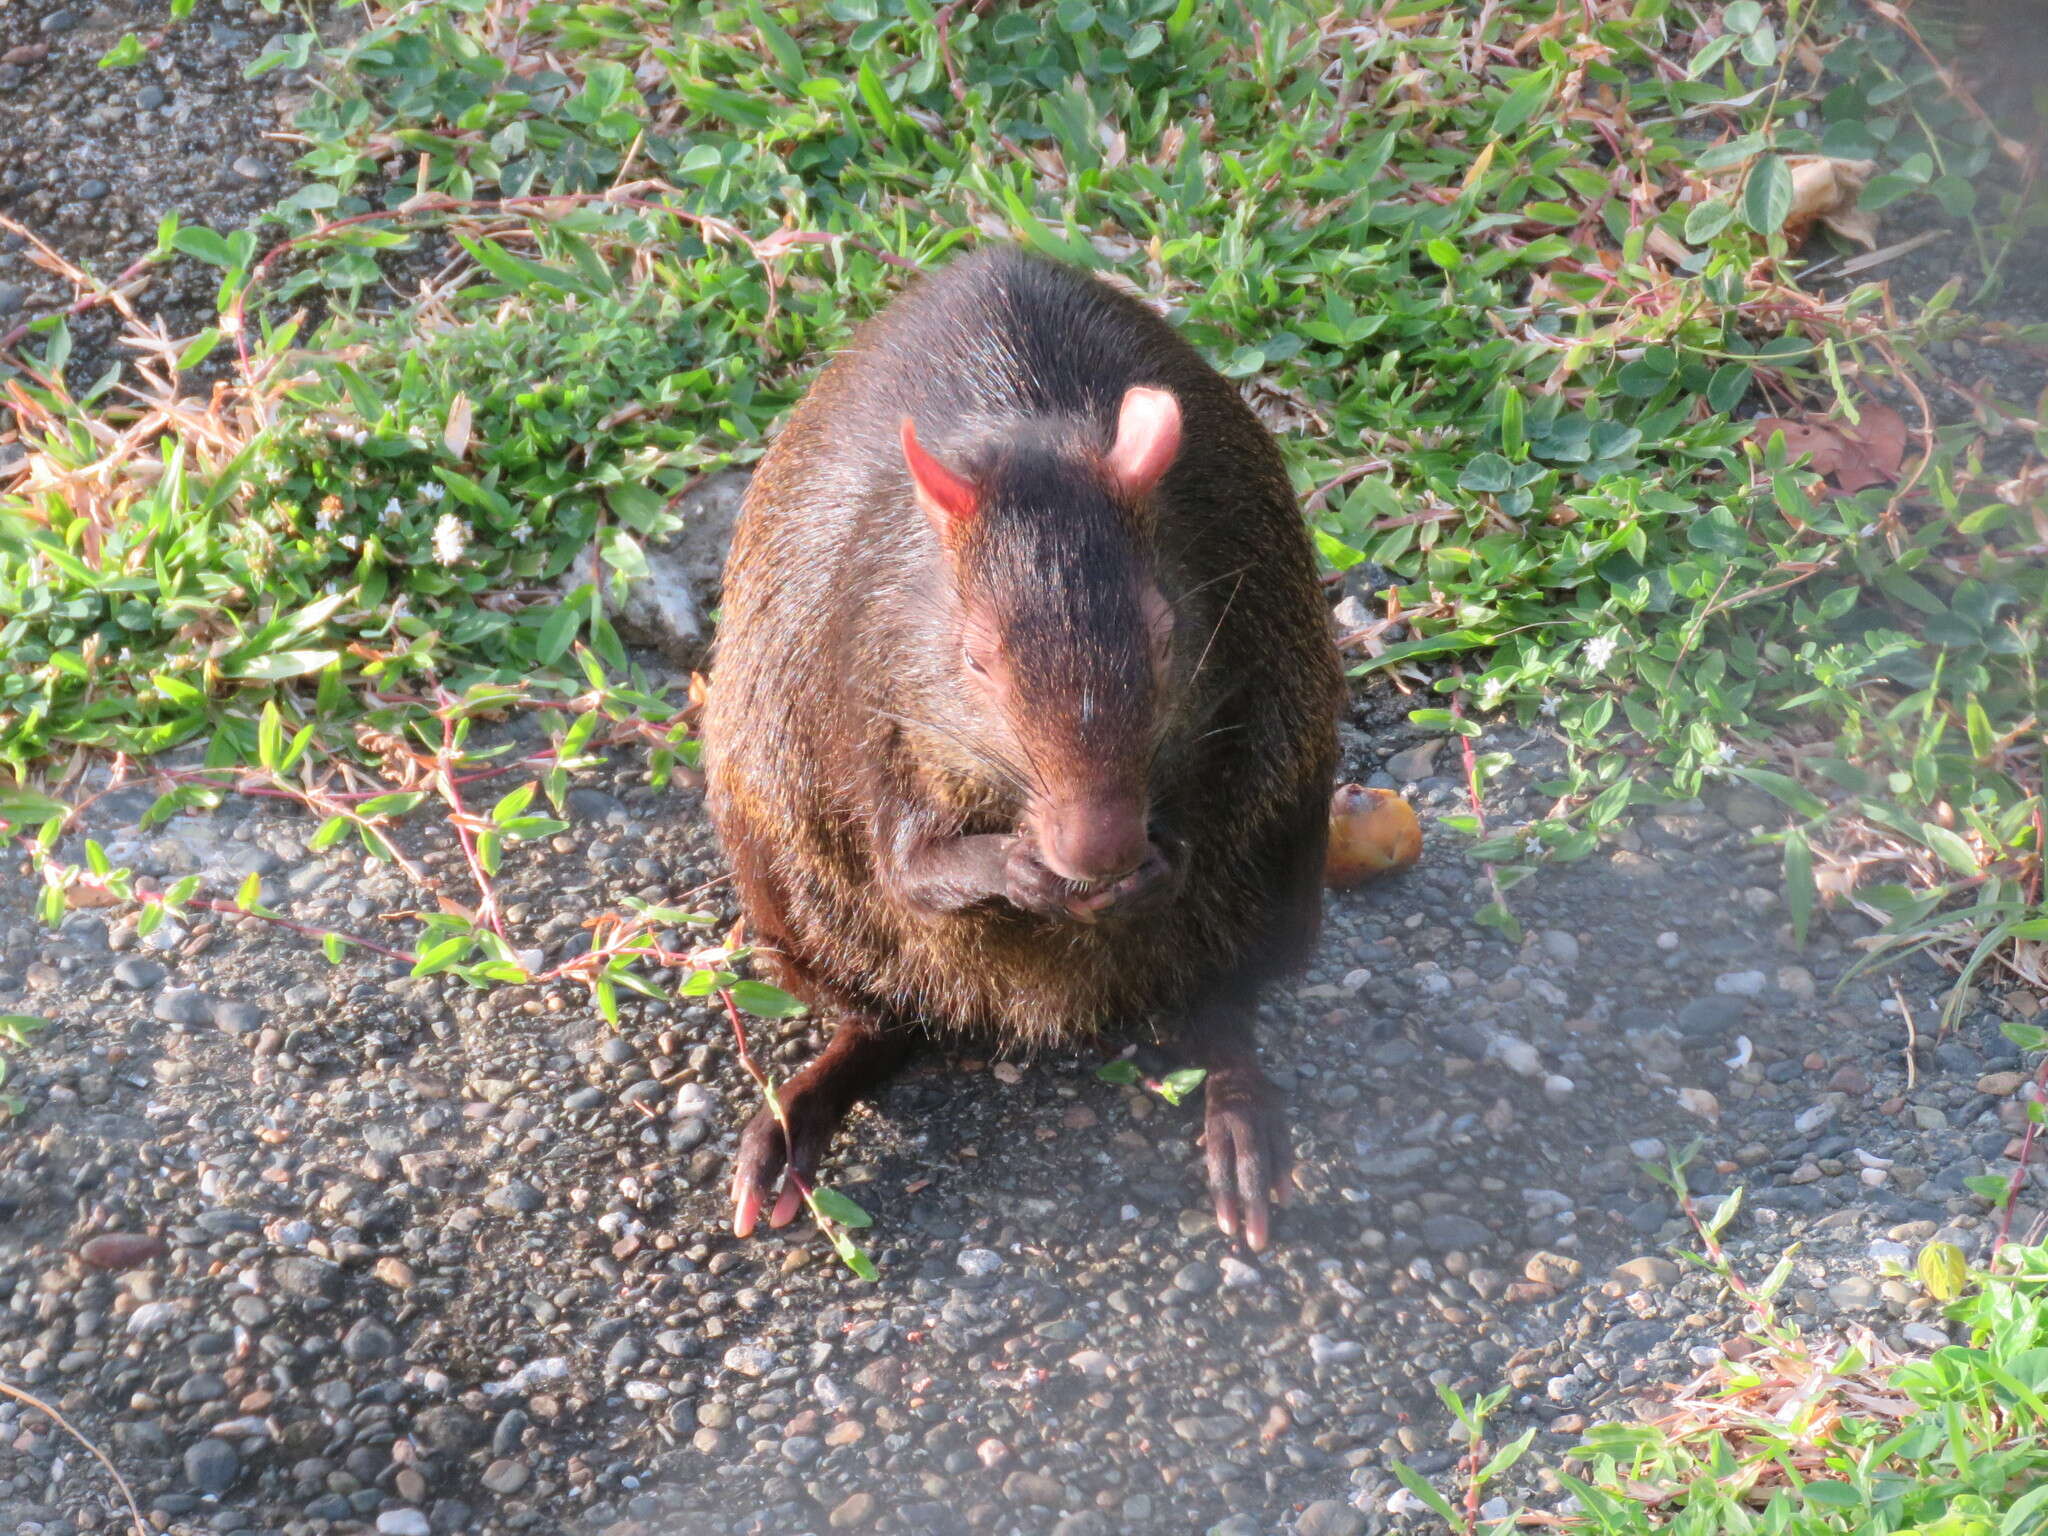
(1147, 440)
(948, 500)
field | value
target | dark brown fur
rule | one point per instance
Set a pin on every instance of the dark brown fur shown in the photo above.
(839, 733)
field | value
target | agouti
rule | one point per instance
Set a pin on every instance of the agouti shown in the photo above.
(1022, 720)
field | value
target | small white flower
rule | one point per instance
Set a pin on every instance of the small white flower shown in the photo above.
(329, 516)
(1547, 706)
(392, 512)
(451, 538)
(521, 534)
(350, 541)
(1726, 754)
(1599, 651)
(1532, 847)
(358, 436)
(433, 490)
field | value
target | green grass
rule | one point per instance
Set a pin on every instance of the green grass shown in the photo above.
(1791, 1435)
(1503, 357)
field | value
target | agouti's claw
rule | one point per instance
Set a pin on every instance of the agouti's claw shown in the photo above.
(1245, 1153)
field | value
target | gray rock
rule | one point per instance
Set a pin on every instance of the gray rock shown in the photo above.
(403, 1522)
(1326, 1517)
(1708, 1018)
(212, 1466)
(448, 1429)
(1195, 1278)
(1444, 1233)
(515, 1196)
(1650, 1273)
(58, 21)
(1418, 762)
(182, 1005)
(309, 1279)
(237, 1018)
(1741, 983)
(138, 974)
(368, 1341)
(666, 608)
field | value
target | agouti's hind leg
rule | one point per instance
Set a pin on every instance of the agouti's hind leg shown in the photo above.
(859, 1057)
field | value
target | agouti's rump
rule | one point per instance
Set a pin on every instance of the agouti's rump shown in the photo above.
(1022, 716)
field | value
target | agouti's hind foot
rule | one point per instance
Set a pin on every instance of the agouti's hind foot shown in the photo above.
(765, 1162)
(1246, 1151)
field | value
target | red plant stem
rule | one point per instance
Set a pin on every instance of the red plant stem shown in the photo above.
(487, 895)
(2019, 1173)
(228, 908)
(753, 1069)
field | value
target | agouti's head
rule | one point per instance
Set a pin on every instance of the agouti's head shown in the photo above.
(1063, 638)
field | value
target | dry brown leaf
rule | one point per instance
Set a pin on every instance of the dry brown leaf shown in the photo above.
(1824, 188)
(1850, 458)
(1372, 832)
(456, 437)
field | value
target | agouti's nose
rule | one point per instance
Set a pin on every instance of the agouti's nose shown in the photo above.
(1093, 841)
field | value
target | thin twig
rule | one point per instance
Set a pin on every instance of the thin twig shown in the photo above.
(134, 1514)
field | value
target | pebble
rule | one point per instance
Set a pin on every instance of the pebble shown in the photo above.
(122, 1250)
(979, 1262)
(138, 974)
(505, 1476)
(1649, 1273)
(403, 1522)
(750, 1359)
(212, 1466)
(1559, 946)
(1195, 1279)
(1741, 983)
(1239, 1275)
(1326, 1517)
(515, 1196)
(1517, 1055)
(368, 1340)
(1709, 1018)
(1445, 1233)
(181, 1005)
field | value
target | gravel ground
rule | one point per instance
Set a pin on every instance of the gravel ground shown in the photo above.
(398, 1256)
(326, 1249)
(91, 160)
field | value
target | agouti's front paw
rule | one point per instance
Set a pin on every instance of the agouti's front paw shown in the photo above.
(1029, 886)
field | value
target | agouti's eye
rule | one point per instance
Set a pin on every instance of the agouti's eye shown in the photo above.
(974, 662)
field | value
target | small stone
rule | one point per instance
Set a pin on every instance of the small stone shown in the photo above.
(249, 168)
(1807, 1121)
(1700, 1102)
(1559, 946)
(237, 1018)
(505, 1476)
(368, 1340)
(1326, 1517)
(1195, 1279)
(1557, 1087)
(1034, 1488)
(1452, 1232)
(1090, 1362)
(181, 1005)
(1805, 1173)
(1553, 1269)
(1926, 1335)
(1649, 1273)
(1741, 983)
(122, 1250)
(515, 1196)
(854, 1511)
(979, 1262)
(309, 1279)
(1239, 1275)
(138, 974)
(212, 1466)
(1417, 762)
(1647, 1149)
(1325, 1350)
(1928, 1118)
(1849, 1078)
(58, 21)
(403, 1522)
(449, 1430)
(2000, 1084)
(1517, 1055)
(1710, 1018)
(1853, 1294)
(750, 1359)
